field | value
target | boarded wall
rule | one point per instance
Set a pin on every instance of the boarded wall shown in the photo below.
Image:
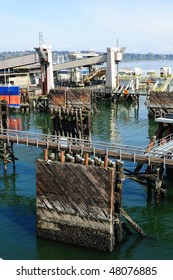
(75, 204)
(70, 97)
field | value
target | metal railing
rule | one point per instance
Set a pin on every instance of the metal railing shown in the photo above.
(162, 141)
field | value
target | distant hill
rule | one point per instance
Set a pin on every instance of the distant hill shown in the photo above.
(148, 56)
(127, 56)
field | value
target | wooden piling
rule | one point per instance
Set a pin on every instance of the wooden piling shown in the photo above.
(86, 158)
(134, 225)
(118, 198)
(3, 114)
(46, 154)
(13, 157)
(5, 157)
(105, 161)
(62, 157)
(158, 184)
(119, 179)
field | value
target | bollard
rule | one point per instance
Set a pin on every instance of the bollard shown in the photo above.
(86, 158)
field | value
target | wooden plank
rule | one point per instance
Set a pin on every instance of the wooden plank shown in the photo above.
(161, 100)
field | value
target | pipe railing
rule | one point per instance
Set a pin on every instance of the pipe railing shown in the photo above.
(163, 141)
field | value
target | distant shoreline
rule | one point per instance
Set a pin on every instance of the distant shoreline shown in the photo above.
(128, 57)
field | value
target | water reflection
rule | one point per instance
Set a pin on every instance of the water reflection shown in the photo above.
(105, 123)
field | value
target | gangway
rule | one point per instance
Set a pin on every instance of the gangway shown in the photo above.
(163, 87)
(162, 146)
(97, 73)
(156, 155)
(155, 86)
(166, 84)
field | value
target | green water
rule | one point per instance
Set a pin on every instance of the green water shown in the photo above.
(125, 124)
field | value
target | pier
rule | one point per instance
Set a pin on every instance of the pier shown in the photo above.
(79, 181)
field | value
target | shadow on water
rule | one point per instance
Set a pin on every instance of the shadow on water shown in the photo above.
(63, 251)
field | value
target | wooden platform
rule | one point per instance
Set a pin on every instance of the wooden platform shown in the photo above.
(160, 103)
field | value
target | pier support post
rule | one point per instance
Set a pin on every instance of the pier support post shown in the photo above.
(118, 198)
(158, 184)
(105, 161)
(13, 157)
(119, 179)
(62, 157)
(110, 68)
(46, 154)
(86, 158)
(5, 157)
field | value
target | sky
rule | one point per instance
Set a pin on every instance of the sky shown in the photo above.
(75, 25)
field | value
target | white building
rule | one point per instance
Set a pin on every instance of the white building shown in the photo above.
(165, 72)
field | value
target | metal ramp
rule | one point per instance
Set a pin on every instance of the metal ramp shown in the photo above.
(163, 87)
(94, 74)
(162, 148)
(166, 84)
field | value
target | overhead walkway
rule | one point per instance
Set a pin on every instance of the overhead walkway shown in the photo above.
(19, 61)
(33, 58)
(80, 62)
